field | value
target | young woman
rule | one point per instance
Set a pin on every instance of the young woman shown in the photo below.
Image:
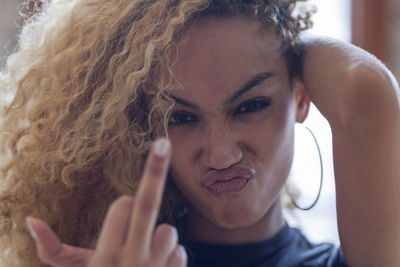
(98, 81)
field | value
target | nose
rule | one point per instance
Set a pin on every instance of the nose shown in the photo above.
(220, 149)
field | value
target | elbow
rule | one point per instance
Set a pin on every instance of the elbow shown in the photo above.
(372, 95)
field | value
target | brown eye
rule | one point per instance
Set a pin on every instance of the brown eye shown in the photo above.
(252, 105)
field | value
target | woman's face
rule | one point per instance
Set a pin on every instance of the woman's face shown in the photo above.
(233, 124)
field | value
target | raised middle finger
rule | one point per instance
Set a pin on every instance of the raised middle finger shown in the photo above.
(148, 200)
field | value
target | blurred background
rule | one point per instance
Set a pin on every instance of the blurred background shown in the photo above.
(371, 24)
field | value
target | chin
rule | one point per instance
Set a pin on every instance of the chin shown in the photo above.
(234, 217)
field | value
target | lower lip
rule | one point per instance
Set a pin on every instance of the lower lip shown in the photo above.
(229, 187)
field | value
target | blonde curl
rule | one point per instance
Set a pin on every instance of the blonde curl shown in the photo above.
(87, 83)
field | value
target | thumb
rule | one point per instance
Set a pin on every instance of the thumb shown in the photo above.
(51, 250)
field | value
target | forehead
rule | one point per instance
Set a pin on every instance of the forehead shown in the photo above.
(218, 36)
(224, 52)
(229, 28)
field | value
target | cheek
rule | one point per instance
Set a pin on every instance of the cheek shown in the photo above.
(271, 146)
(183, 141)
(267, 135)
(183, 161)
(184, 168)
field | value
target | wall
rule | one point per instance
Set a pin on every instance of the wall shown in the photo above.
(394, 24)
(8, 26)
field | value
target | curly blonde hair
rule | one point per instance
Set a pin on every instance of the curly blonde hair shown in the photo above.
(87, 80)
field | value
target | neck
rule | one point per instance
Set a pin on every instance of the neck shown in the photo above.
(199, 228)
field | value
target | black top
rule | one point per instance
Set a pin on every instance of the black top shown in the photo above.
(288, 248)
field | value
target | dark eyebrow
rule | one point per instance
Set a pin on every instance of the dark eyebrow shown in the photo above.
(254, 81)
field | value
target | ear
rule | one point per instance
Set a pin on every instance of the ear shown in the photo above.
(302, 101)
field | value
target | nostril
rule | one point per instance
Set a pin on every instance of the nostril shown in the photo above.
(221, 157)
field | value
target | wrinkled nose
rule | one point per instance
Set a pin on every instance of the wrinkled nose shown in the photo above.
(221, 149)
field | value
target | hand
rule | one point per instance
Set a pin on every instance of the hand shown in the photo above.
(127, 237)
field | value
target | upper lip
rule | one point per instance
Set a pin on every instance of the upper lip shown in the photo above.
(227, 174)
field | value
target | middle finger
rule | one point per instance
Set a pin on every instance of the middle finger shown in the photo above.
(148, 200)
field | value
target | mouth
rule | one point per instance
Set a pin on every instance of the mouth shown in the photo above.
(228, 181)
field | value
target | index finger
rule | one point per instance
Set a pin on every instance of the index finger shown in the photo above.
(148, 198)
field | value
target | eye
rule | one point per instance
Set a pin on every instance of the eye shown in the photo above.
(181, 117)
(252, 105)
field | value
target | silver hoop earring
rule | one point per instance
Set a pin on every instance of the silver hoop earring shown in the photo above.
(292, 199)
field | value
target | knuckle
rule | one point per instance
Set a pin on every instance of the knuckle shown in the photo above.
(49, 256)
(122, 202)
(147, 206)
(155, 168)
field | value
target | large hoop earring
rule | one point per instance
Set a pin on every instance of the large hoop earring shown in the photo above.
(292, 199)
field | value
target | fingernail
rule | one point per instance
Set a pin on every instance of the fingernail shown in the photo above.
(182, 252)
(30, 229)
(161, 147)
(174, 232)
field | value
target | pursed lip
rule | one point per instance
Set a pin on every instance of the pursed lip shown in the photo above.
(224, 175)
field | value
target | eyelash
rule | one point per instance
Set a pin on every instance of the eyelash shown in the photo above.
(252, 105)
(245, 108)
(181, 117)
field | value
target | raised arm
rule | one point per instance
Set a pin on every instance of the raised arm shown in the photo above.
(360, 98)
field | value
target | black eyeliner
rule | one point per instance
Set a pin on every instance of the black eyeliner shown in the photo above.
(264, 101)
